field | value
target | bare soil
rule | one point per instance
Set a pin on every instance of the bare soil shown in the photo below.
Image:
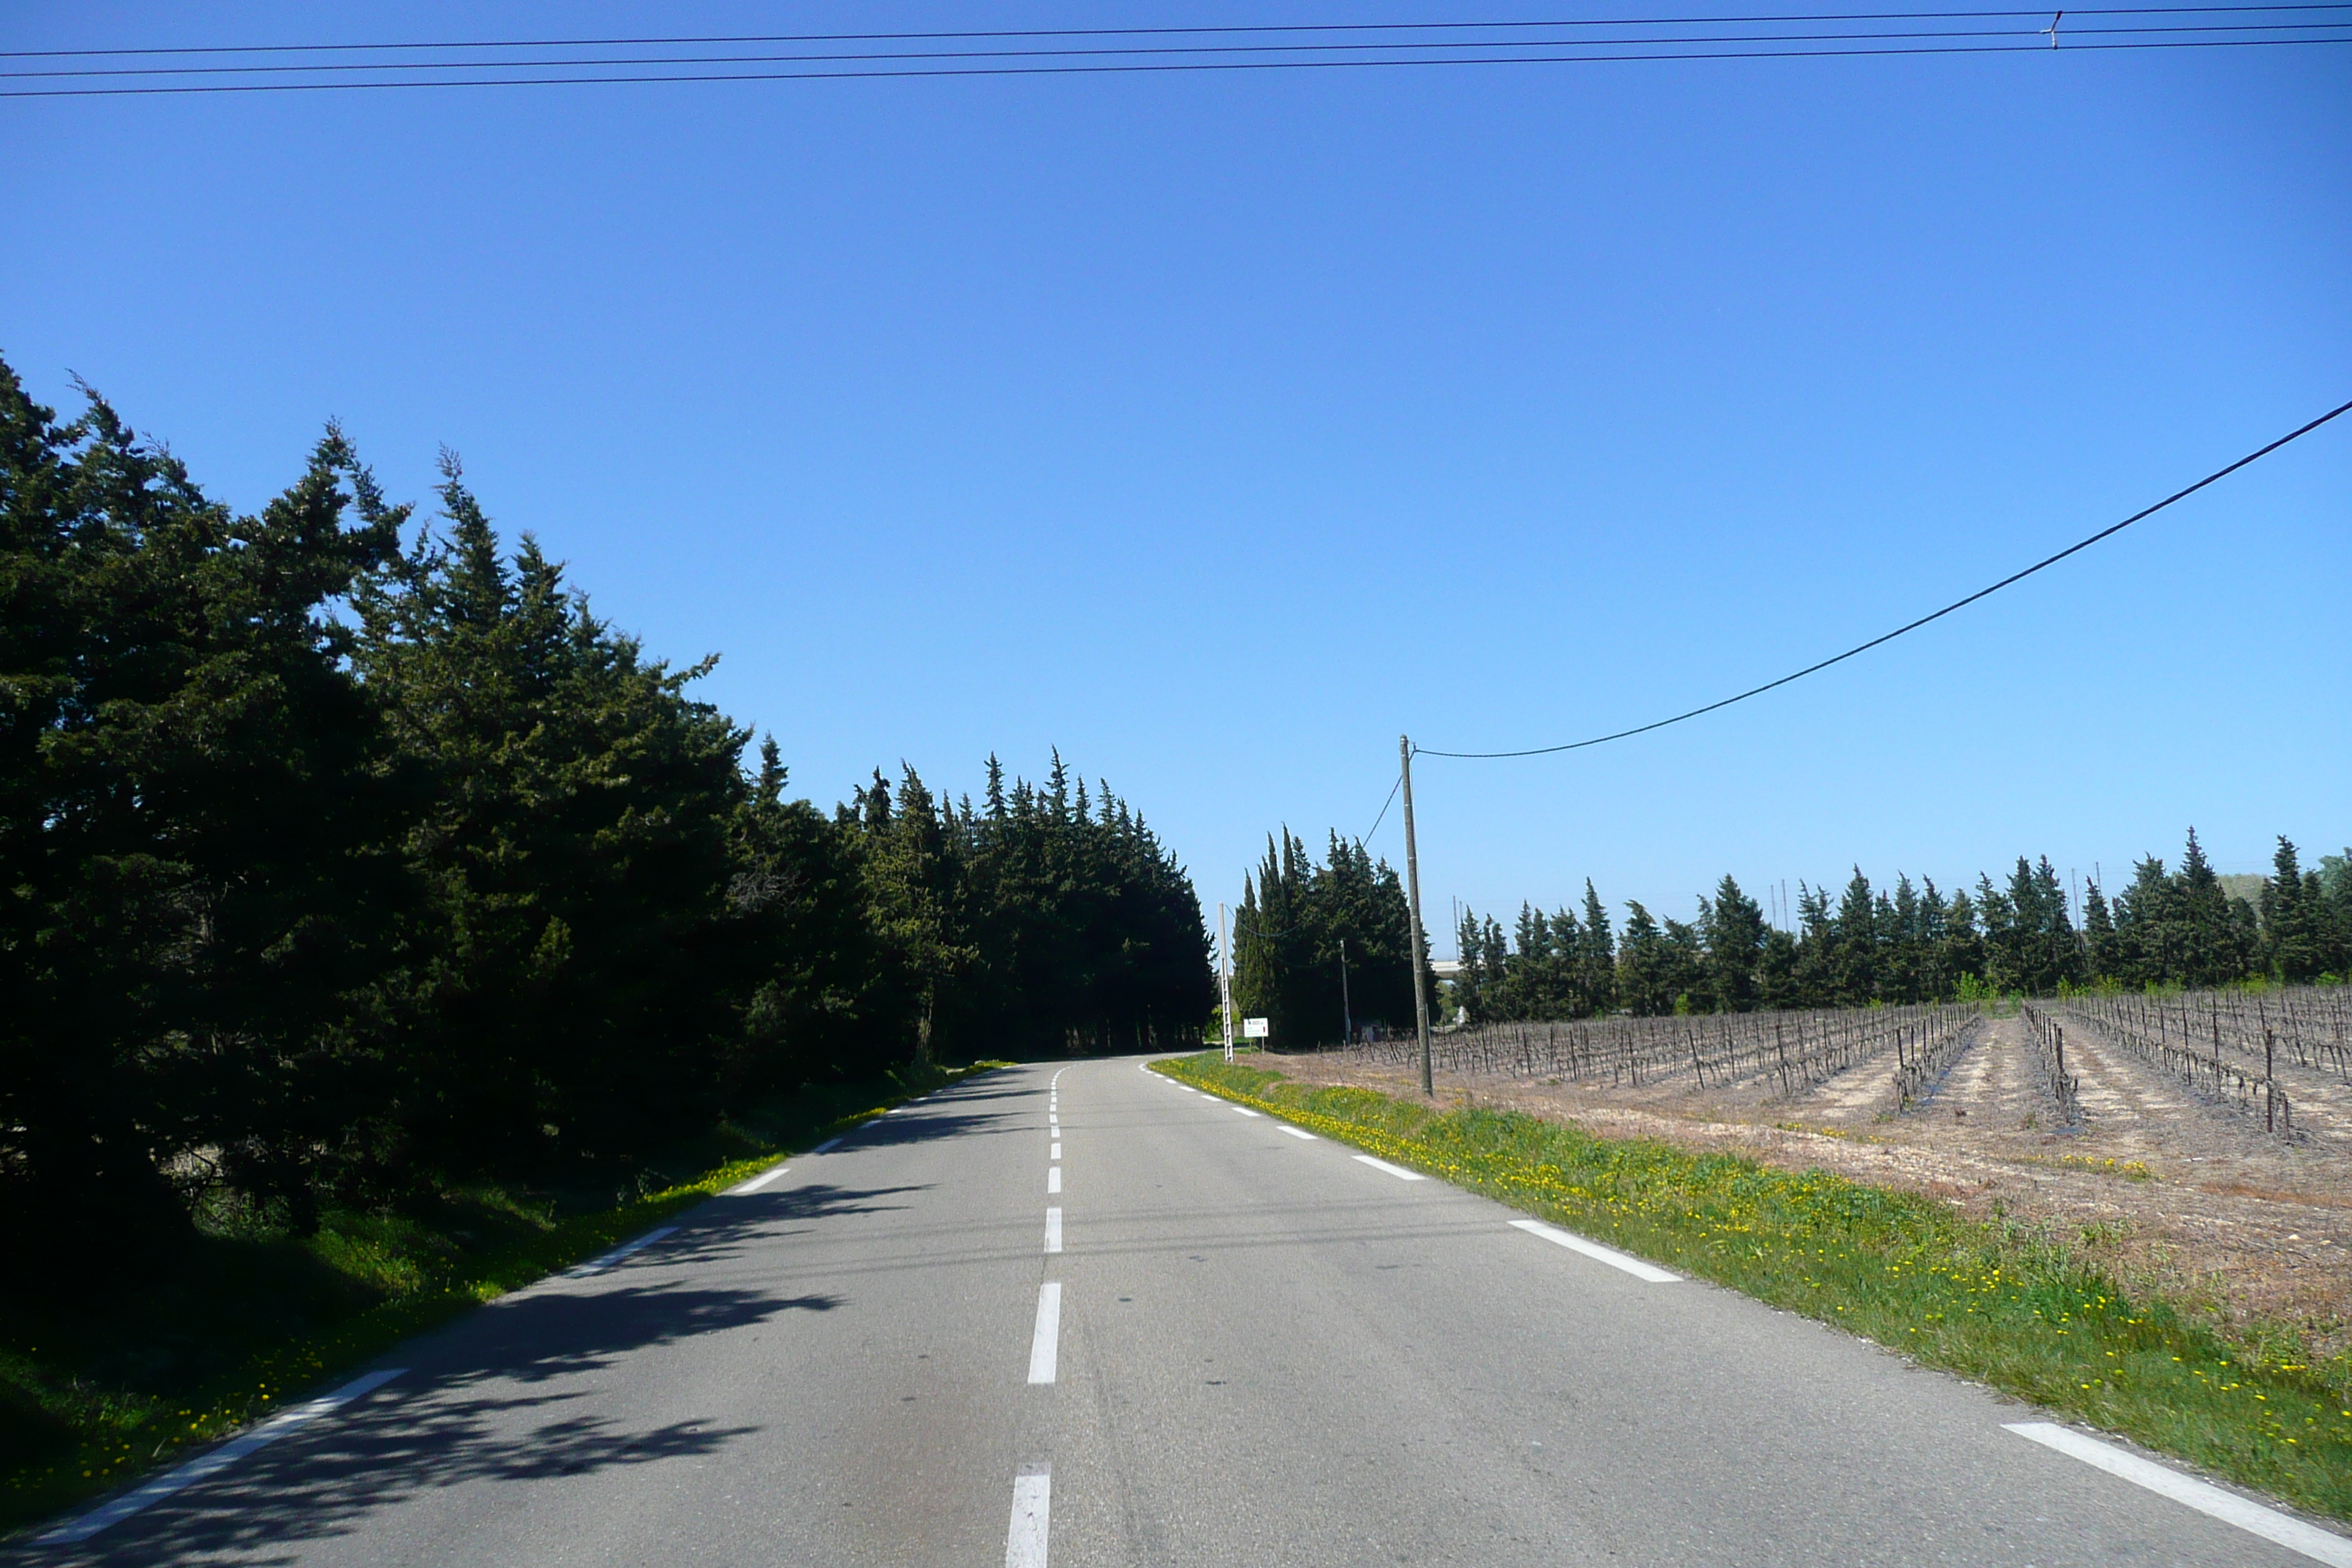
(2166, 1187)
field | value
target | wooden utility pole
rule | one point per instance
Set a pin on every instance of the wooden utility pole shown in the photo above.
(1413, 913)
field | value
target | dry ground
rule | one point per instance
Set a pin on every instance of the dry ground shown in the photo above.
(2198, 1201)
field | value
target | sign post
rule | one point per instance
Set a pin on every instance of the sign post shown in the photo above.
(1226, 979)
(1253, 1029)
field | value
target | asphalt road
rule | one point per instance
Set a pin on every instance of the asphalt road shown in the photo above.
(1261, 1350)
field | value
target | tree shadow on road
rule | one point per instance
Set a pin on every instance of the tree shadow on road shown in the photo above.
(480, 1402)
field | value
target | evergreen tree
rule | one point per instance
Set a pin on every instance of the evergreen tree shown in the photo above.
(2293, 926)
(1854, 969)
(575, 859)
(1732, 927)
(1647, 976)
(1596, 981)
(2102, 950)
(193, 792)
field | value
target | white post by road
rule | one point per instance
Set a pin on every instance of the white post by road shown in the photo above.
(1226, 978)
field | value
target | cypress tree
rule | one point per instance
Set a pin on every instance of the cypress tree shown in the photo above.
(1596, 990)
(1732, 927)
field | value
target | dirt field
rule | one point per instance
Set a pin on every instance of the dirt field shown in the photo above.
(2198, 1199)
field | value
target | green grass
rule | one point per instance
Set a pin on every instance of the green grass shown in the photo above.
(241, 1319)
(2000, 1303)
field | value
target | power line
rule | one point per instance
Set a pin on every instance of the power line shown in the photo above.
(1383, 817)
(983, 35)
(1680, 41)
(1913, 625)
(1263, 29)
(1620, 50)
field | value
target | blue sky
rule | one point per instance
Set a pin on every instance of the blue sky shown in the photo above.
(1218, 429)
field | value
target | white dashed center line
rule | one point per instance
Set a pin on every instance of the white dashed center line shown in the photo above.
(1033, 1493)
(1052, 1179)
(1044, 1344)
(1057, 1154)
(1053, 1229)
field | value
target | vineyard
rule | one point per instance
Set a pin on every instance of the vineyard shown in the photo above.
(2206, 1137)
(1782, 1053)
(2212, 1041)
(2228, 1050)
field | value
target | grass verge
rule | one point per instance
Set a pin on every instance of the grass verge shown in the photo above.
(246, 1320)
(1999, 1302)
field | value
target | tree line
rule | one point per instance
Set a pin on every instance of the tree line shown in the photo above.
(1912, 943)
(345, 861)
(1319, 947)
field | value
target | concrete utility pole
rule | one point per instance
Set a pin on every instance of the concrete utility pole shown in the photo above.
(1226, 979)
(1413, 913)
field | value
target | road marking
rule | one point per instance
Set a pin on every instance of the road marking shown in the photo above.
(1594, 1250)
(1057, 1154)
(1300, 1132)
(1397, 1170)
(1245, 1110)
(2320, 1545)
(828, 1143)
(598, 1265)
(219, 1458)
(1045, 1345)
(1053, 1229)
(756, 1183)
(1032, 1497)
(1053, 1180)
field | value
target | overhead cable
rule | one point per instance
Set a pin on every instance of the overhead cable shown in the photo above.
(1246, 31)
(1911, 625)
(1100, 52)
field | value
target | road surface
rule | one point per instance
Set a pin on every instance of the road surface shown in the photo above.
(1251, 1347)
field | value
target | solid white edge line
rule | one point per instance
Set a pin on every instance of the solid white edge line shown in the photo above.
(830, 1143)
(1598, 1253)
(1053, 1229)
(598, 1265)
(1397, 1170)
(756, 1183)
(1032, 1501)
(1300, 1132)
(220, 1458)
(1053, 1180)
(1046, 1342)
(1245, 1110)
(2320, 1545)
